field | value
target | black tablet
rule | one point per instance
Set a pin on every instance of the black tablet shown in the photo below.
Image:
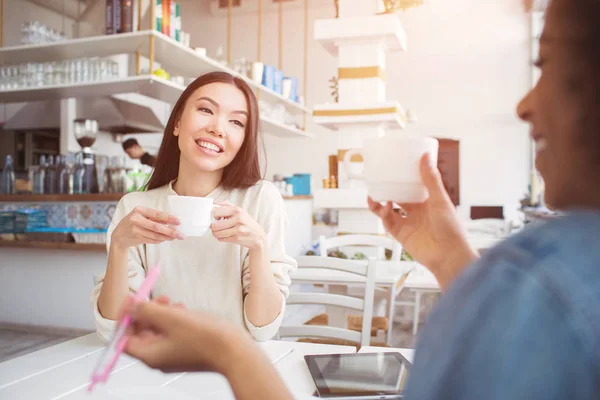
(359, 375)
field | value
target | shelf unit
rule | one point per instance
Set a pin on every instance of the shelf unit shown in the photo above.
(173, 56)
(341, 198)
(147, 85)
(59, 198)
(83, 198)
(25, 244)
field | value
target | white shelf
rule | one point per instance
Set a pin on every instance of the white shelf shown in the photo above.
(340, 198)
(173, 56)
(146, 85)
(389, 121)
(279, 129)
(388, 114)
(386, 28)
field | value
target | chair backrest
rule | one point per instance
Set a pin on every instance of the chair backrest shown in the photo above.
(381, 242)
(365, 268)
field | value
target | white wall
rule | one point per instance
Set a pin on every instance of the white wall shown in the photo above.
(466, 68)
(48, 287)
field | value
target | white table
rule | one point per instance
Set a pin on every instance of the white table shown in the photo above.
(63, 372)
(420, 281)
(389, 275)
(409, 354)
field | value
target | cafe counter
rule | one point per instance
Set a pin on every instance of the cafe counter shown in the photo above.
(48, 283)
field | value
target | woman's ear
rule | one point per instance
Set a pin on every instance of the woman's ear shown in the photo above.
(176, 129)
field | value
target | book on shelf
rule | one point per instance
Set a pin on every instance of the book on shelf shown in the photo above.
(126, 16)
(166, 23)
(118, 16)
(109, 17)
(158, 12)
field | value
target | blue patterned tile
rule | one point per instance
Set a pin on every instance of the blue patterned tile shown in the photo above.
(110, 211)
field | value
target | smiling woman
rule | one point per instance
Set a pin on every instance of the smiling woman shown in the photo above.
(231, 124)
(241, 270)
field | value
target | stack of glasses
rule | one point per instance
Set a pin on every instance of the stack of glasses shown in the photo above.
(35, 33)
(81, 70)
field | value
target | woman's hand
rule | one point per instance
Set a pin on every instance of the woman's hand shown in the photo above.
(145, 226)
(173, 339)
(234, 225)
(431, 231)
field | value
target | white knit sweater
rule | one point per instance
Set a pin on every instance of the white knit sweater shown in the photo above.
(201, 272)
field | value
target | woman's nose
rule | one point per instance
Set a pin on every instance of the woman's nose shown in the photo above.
(524, 109)
(217, 127)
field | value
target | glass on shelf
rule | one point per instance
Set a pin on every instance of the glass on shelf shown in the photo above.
(34, 32)
(39, 176)
(79, 175)
(8, 177)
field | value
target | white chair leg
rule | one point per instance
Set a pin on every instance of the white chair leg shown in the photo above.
(337, 315)
(416, 312)
(391, 313)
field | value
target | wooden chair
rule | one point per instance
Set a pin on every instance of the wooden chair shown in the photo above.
(365, 268)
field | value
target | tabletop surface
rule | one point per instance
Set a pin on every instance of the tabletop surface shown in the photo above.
(388, 273)
(63, 372)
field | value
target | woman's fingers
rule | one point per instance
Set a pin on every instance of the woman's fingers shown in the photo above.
(225, 233)
(150, 237)
(163, 299)
(225, 211)
(374, 206)
(156, 227)
(432, 179)
(224, 224)
(156, 215)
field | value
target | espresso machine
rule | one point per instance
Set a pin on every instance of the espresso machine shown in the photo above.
(86, 131)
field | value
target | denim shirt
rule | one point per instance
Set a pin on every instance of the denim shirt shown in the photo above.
(522, 323)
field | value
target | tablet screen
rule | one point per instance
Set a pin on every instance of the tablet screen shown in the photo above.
(358, 374)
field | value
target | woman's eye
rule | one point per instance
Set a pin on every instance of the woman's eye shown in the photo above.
(205, 110)
(538, 63)
(238, 123)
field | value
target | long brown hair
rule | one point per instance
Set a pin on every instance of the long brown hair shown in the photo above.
(244, 169)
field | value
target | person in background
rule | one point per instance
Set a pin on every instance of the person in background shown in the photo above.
(240, 270)
(136, 152)
(522, 321)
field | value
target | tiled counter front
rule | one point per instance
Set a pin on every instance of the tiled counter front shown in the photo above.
(71, 214)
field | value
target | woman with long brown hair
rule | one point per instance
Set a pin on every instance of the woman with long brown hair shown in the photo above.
(241, 271)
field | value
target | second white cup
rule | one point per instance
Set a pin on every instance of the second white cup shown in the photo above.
(195, 214)
(391, 166)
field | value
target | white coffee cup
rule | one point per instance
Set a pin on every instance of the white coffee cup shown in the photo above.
(195, 214)
(391, 166)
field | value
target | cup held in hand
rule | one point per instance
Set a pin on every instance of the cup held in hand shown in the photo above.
(392, 167)
(194, 213)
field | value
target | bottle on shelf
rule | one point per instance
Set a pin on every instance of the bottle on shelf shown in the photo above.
(39, 176)
(79, 175)
(8, 177)
(50, 186)
(65, 178)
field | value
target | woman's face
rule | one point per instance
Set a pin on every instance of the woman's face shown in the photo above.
(556, 109)
(212, 126)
